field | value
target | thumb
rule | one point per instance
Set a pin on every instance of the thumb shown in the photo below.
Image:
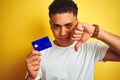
(77, 45)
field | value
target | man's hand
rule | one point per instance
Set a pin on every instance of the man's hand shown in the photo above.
(32, 64)
(81, 33)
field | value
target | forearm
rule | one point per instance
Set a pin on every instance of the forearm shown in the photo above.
(112, 40)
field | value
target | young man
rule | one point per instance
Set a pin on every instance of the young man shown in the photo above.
(71, 56)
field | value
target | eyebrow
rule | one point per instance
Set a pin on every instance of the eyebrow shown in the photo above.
(68, 23)
(56, 25)
(64, 24)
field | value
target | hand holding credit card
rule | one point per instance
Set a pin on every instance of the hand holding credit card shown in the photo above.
(41, 44)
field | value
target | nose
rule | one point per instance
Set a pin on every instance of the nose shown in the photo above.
(63, 31)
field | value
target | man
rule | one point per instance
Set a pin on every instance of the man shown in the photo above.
(71, 56)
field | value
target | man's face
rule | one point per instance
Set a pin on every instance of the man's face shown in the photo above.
(62, 25)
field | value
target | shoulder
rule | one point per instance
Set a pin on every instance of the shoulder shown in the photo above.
(93, 46)
(90, 44)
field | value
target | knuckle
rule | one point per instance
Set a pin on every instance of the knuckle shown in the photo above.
(73, 36)
(27, 60)
(33, 51)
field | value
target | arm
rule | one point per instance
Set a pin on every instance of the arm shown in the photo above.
(113, 53)
(86, 31)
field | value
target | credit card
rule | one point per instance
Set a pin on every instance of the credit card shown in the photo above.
(41, 44)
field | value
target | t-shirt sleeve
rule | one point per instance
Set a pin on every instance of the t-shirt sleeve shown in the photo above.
(99, 51)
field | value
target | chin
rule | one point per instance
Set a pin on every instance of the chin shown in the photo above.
(65, 44)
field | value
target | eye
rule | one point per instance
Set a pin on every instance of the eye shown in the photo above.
(56, 26)
(68, 25)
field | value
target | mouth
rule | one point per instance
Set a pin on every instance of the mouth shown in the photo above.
(64, 39)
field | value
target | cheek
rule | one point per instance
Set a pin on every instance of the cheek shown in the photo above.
(55, 32)
(70, 32)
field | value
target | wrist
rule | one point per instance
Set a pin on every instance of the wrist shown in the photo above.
(96, 31)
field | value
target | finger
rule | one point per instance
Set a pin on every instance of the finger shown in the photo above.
(77, 45)
(75, 39)
(35, 68)
(76, 36)
(32, 58)
(80, 27)
(34, 52)
(35, 58)
(35, 62)
(77, 32)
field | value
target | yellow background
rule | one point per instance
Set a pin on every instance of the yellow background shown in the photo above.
(22, 21)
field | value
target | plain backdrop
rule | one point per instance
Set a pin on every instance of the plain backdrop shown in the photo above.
(22, 21)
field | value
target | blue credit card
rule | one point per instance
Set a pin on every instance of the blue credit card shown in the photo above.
(42, 43)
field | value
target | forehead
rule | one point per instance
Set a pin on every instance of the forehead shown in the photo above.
(63, 17)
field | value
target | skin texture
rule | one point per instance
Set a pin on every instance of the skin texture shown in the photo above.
(32, 64)
(66, 29)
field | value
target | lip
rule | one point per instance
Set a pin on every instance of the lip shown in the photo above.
(63, 39)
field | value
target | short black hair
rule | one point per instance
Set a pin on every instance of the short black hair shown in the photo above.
(62, 6)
